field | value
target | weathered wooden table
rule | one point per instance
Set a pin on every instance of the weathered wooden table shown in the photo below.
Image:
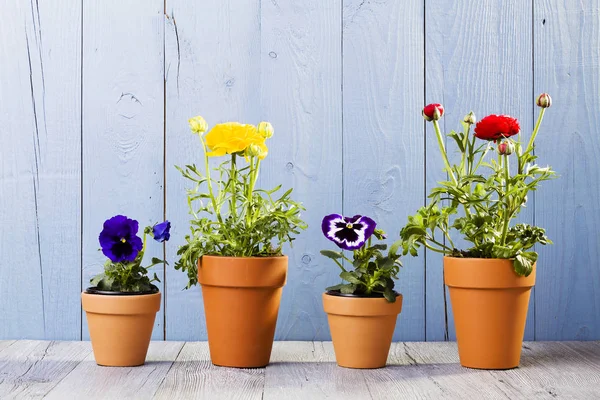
(299, 370)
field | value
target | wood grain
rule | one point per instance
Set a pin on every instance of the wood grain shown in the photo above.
(91, 381)
(40, 119)
(301, 48)
(212, 69)
(478, 58)
(307, 370)
(567, 65)
(30, 369)
(383, 130)
(123, 139)
(193, 375)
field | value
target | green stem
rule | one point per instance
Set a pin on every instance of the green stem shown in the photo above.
(440, 140)
(535, 131)
(434, 249)
(506, 213)
(233, 202)
(209, 182)
(340, 265)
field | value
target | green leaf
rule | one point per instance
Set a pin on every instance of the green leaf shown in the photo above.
(335, 255)
(350, 277)
(348, 289)
(523, 263)
(389, 295)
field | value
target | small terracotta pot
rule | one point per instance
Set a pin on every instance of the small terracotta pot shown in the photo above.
(241, 302)
(489, 303)
(120, 326)
(361, 329)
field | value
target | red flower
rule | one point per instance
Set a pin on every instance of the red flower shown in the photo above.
(433, 111)
(494, 127)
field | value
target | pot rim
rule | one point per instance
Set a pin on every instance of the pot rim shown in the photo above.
(95, 291)
(357, 296)
(251, 257)
(478, 258)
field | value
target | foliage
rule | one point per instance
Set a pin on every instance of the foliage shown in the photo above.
(122, 275)
(480, 206)
(231, 217)
(373, 271)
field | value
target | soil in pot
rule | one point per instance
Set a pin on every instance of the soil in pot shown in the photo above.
(241, 303)
(361, 328)
(120, 325)
(489, 304)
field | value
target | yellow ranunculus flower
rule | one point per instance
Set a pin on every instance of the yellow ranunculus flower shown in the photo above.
(265, 129)
(198, 125)
(232, 137)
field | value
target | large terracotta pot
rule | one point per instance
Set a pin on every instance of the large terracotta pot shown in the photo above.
(489, 303)
(241, 302)
(120, 326)
(361, 328)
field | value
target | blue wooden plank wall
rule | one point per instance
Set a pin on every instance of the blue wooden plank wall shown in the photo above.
(94, 102)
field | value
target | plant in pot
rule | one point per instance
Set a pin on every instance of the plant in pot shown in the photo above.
(122, 302)
(362, 310)
(234, 249)
(490, 279)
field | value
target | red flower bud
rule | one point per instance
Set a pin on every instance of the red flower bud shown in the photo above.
(506, 148)
(433, 112)
(544, 100)
(494, 127)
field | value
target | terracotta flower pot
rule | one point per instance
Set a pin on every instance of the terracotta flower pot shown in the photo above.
(489, 303)
(241, 302)
(361, 329)
(120, 326)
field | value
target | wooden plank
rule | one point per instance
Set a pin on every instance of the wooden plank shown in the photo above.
(123, 138)
(307, 370)
(567, 65)
(301, 96)
(39, 169)
(479, 57)
(30, 369)
(194, 376)
(383, 130)
(90, 381)
(212, 69)
(6, 343)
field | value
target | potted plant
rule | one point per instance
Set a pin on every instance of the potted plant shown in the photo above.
(122, 302)
(235, 246)
(491, 278)
(362, 310)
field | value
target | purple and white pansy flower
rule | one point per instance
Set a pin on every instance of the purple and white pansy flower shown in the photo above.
(349, 233)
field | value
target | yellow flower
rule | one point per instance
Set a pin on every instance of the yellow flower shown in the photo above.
(198, 125)
(232, 137)
(265, 129)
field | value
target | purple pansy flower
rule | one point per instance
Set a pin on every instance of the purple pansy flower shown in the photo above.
(119, 240)
(161, 232)
(349, 233)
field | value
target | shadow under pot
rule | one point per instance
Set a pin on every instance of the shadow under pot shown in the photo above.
(489, 304)
(241, 303)
(361, 328)
(120, 325)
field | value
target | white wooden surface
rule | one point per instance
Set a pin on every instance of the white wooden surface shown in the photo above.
(298, 370)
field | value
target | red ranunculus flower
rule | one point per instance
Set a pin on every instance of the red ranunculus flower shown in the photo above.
(494, 127)
(433, 112)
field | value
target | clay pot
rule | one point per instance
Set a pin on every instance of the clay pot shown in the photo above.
(241, 302)
(361, 328)
(120, 326)
(489, 303)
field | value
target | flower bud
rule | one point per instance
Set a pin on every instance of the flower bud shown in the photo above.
(470, 118)
(265, 129)
(198, 125)
(506, 148)
(256, 150)
(433, 112)
(544, 100)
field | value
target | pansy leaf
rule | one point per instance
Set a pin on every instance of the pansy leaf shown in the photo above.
(335, 287)
(335, 255)
(350, 277)
(348, 289)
